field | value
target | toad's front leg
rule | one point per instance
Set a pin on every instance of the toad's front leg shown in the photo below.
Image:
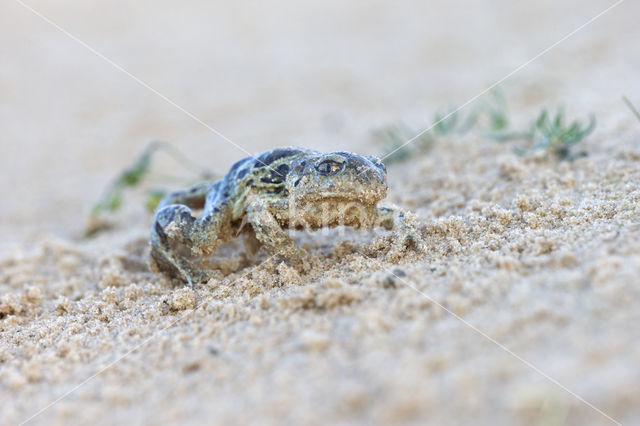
(262, 215)
(406, 234)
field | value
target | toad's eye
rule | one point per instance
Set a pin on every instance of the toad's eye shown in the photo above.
(329, 167)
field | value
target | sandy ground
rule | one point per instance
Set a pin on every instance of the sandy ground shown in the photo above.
(524, 310)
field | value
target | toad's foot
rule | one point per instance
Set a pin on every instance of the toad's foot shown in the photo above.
(178, 268)
(406, 233)
(269, 232)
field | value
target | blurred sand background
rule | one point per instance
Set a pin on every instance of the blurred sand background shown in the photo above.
(542, 257)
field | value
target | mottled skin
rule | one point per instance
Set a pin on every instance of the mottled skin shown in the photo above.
(260, 196)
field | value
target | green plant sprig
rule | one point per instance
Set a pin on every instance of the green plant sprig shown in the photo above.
(553, 134)
(631, 107)
(393, 138)
(133, 176)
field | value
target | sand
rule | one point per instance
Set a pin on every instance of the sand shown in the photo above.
(524, 310)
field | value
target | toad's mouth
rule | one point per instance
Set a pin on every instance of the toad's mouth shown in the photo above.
(368, 197)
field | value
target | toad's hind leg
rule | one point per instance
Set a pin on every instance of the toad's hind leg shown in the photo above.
(193, 197)
(175, 230)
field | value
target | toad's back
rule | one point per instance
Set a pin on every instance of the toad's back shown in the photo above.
(261, 174)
